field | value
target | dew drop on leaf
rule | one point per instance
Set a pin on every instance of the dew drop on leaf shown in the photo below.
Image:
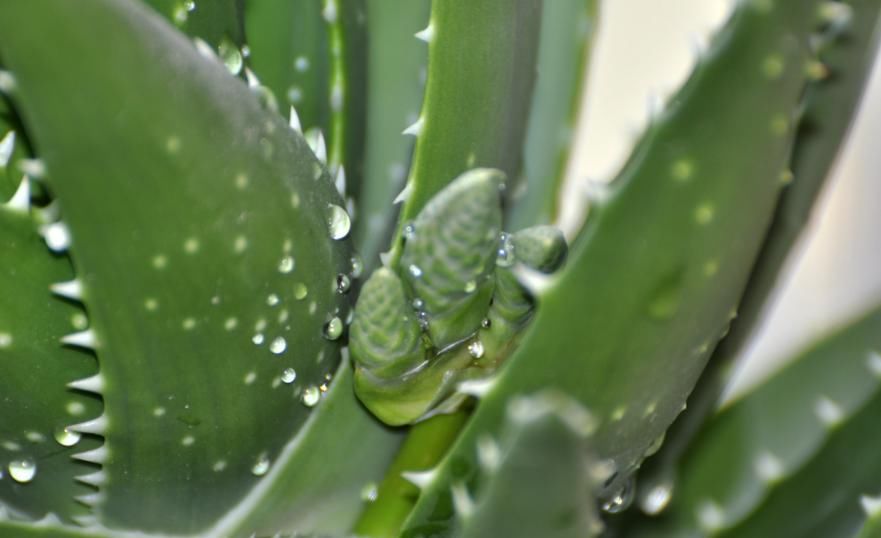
(311, 396)
(338, 222)
(333, 329)
(343, 283)
(22, 470)
(67, 437)
(289, 375)
(261, 466)
(278, 346)
(621, 499)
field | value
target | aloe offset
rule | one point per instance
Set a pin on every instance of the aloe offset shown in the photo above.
(191, 344)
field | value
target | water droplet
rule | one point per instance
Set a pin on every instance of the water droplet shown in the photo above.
(333, 329)
(338, 222)
(272, 299)
(67, 437)
(414, 271)
(257, 339)
(486, 323)
(621, 499)
(286, 265)
(301, 63)
(261, 466)
(369, 492)
(409, 231)
(418, 304)
(22, 470)
(357, 266)
(289, 375)
(5, 340)
(656, 499)
(231, 56)
(475, 349)
(300, 291)
(278, 345)
(505, 253)
(311, 396)
(470, 286)
(342, 283)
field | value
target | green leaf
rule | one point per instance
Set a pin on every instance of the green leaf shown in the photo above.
(394, 92)
(782, 456)
(846, 52)
(289, 52)
(481, 68)
(653, 277)
(203, 237)
(566, 39)
(37, 473)
(545, 441)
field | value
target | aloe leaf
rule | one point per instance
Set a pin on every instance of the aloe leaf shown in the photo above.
(627, 342)
(37, 472)
(348, 89)
(289, 52)
(544, 441)
(49, 527)
(394, 93)
(847, 49)
(208, 246)
(567, 33)
(786, 447)
(481, 68)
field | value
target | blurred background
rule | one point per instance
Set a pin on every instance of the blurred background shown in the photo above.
(643, 52)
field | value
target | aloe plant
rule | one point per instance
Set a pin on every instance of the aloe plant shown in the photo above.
(282, 268)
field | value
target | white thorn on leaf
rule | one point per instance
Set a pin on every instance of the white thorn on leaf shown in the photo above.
(294, 121)
(35, 168)
(871, 505)
(90, 499)
(49, 520)
(828, 411)
(329, 13)
(72, 289)
(477, 387)
(385, 258)
(87, 521)
(489, 455)
(462, 501)
(21, 200)
(97, 455)
(96, 426)
(57, 236)
(84, 339)
(416, 128)
(7, 82)
(427, 34)
(420, 479)
(97, 479)
(404, 194)
(873, 363)
(340, 183)
(315, 138)
(7, 144)
(253, 81)
(533, 280)
(93, 383)
(205, 50)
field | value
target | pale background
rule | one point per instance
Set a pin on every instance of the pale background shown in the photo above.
(647, 47)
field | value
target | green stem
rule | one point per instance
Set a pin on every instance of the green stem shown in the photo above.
(425, 446)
